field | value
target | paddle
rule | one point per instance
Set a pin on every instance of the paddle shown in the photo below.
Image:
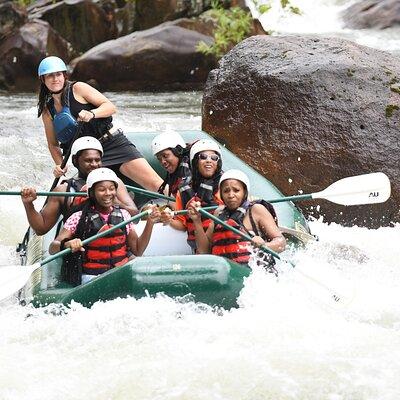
(361, 189)
(68, 152)
(61, 194)
(335, 296)
(21, 248)
(14, 278)
(149, 193)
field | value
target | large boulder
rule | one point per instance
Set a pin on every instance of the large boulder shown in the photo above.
(379, 14)
(150, 13)
(22, 51)
(83, 23)
(12, 16)
(160, 58)
(307, 111)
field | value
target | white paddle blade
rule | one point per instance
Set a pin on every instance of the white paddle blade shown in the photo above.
(14, 278)
(362, 189)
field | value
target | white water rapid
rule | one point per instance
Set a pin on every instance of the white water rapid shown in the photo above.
(289, 340)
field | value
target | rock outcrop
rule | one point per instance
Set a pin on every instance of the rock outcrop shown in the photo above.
(83, 23)
(12, 17)
(379, 14)
(307, 111)
(150, 13)
(22, 51)
(160, 58)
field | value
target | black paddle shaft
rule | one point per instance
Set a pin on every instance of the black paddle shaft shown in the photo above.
(68, 153)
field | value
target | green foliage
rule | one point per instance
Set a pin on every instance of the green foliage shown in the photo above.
(390, 109)
(232, 26)
(24, 3)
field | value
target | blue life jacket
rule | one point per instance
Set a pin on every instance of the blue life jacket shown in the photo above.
(64, 123)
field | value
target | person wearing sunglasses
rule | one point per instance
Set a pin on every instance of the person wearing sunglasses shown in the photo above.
(200, 186)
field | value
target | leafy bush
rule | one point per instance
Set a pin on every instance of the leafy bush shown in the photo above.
(234, 24)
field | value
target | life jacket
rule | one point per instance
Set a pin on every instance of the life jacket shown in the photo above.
(64, 124)
(107, 252)
(190, 228)
(68, 206)
(231, 245)
(228, 244)
(174, 180)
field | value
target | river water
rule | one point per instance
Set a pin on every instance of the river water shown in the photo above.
(288, 339)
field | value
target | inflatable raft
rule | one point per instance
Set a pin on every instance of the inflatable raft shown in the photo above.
(167, 266)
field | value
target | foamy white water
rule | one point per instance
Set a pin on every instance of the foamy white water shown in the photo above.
(323, 17)
(288, 340)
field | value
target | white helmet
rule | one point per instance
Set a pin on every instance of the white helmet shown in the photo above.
(166, 140)
(86, 143)
(236, 174)
(99, 175)
(203, 145)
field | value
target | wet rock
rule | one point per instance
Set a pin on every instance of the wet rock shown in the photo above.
(12, 17)
(22, 51)
(306, 112)
(160, 58)
(83, 23)
(154, 12)
(379, 14)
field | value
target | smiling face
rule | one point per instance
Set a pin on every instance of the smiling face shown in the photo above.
(208, 163)
(88, 160)
(54, 81)
(104, 193)
(233, 193)
(168, 160)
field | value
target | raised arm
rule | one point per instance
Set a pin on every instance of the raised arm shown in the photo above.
(41, 222)
(88, 94)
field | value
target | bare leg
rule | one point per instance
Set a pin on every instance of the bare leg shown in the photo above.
(141, 172)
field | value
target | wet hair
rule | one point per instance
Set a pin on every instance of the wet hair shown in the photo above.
(45, 95)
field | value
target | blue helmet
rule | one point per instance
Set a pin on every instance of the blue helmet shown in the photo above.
(51, 64)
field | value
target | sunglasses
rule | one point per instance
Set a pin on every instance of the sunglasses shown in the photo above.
(212, 157)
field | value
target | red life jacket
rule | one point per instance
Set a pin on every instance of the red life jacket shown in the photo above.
(228, 244)
(204, 221)
(107, 252)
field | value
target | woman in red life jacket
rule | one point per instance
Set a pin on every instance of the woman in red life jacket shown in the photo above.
(62, 103)
(173, 154)
(99, 214)
(200, 186)
(256, 219)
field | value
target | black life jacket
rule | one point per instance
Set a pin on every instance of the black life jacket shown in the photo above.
(68, 206)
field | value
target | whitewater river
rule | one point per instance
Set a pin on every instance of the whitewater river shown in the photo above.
(288, 339)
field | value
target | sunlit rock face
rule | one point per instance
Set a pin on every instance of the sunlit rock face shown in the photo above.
(307, 111)
(379, 14)
(164, 57)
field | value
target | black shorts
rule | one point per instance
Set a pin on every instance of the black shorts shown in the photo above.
(118, 150)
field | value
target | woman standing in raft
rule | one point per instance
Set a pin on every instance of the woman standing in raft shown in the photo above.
(200, 186)
(173, 154)
(99, 213)
(257, 219)
(62, 103)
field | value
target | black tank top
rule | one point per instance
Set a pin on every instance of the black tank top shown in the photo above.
(96, 127)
